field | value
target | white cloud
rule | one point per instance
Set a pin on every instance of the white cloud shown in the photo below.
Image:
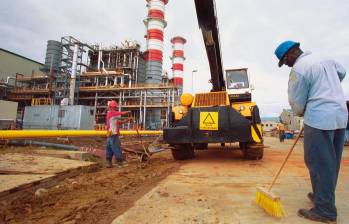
(249, 29)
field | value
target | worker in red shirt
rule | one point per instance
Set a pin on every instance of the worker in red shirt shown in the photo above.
(113, 122)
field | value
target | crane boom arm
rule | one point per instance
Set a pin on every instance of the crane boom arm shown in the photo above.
(207, 19)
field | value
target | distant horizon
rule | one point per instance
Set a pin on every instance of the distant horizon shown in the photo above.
(275, 119)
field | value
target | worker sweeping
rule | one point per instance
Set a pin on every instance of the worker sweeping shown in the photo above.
(113, 146)
(315, 92)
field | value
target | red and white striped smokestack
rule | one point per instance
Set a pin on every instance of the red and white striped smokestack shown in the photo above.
(178, 59)
(156, 25)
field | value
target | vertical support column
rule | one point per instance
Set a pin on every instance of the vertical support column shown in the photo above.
(140, 107)
(145, 109)
(100, 54)
(120, 101)
(137, 63)
(173, 97)
(73, 75)
(168, 106)
(95, 106)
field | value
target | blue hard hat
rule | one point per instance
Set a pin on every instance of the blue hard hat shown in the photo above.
(283, 48)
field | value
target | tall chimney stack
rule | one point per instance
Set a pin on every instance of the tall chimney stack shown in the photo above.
(156, 25)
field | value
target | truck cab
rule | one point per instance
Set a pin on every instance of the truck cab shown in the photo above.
(238, 85)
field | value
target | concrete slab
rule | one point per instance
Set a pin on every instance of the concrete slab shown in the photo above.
(219, 187)
(17, 163)
(8, 182)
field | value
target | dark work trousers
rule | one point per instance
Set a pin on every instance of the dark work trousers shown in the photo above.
(113, 148)
(282, 136)
(322, 155)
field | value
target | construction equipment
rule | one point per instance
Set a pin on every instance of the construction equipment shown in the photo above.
(224, 115)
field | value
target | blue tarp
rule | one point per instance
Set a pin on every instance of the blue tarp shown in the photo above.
(289, 135)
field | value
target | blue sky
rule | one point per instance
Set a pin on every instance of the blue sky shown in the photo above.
(249, 29)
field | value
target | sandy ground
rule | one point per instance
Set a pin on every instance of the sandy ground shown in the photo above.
(219, 187)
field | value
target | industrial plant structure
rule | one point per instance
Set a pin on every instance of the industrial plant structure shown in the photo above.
(93, 75)
(76, 73)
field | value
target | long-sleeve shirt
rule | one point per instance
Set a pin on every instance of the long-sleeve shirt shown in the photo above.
(315, 91)
(112, 122)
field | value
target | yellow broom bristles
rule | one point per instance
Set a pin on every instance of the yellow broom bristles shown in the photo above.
(270, 205)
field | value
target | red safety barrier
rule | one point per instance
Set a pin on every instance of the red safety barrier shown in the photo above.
(97, 152)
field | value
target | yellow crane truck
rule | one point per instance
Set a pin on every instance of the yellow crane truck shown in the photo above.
(224, 115)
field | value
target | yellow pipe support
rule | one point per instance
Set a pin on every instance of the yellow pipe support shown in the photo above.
(19, 134)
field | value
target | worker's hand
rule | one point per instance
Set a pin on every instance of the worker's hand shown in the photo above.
(126, 112)
(108, 133)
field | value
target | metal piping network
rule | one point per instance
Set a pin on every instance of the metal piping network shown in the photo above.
(8, 79)
(21, 134)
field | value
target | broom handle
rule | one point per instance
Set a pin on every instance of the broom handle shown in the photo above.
(288, 156)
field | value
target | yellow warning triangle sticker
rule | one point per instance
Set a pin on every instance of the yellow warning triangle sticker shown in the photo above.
(208, 119)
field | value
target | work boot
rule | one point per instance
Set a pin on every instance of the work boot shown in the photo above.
(311, 215)
(311, 196)
(109, 164)
(122, 164)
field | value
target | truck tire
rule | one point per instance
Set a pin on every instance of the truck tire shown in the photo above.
(201, 146)
(243, 145)
(252, 151)
(183, 152)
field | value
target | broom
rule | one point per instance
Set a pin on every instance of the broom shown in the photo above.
(269, 201)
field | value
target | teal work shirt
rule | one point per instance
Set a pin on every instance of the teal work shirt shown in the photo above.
(315, 92)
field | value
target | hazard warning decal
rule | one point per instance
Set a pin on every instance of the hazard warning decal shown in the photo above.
(209, 121)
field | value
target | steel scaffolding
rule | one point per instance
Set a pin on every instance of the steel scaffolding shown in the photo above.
(102, 74)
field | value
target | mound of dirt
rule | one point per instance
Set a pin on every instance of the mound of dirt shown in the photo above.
(96, 197)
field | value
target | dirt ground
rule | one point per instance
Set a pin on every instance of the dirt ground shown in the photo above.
(217, 187)
(95, 197)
